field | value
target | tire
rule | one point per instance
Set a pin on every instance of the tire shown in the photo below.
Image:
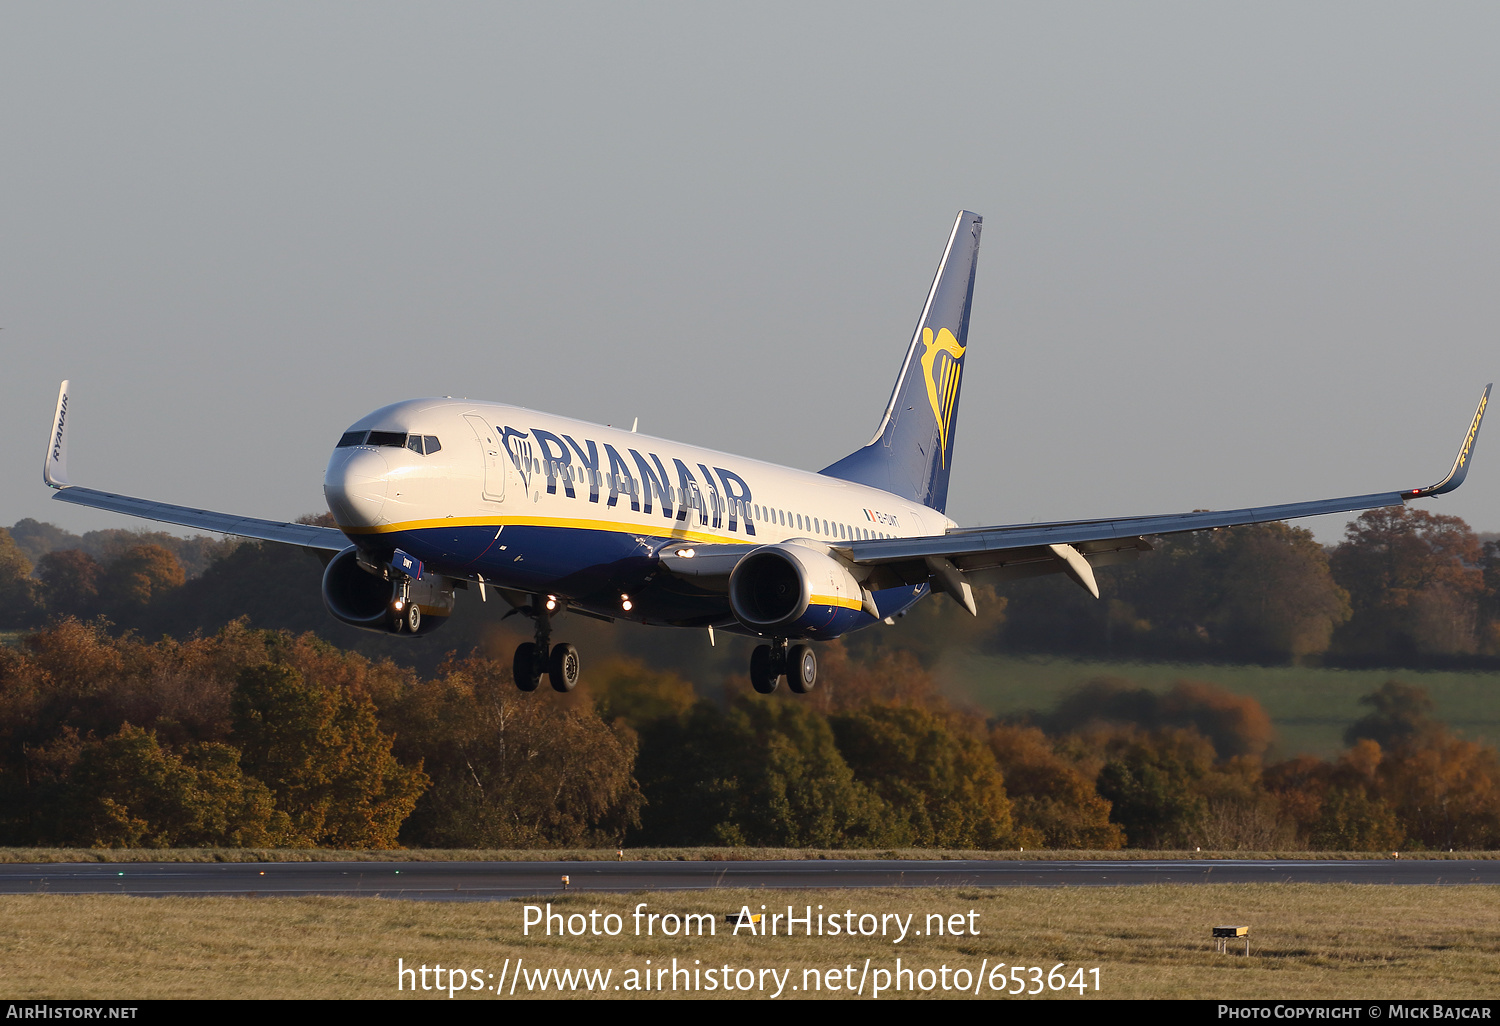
(801, 669)
(764, 673)
(524, 667)
(564, 667)
(413, 618)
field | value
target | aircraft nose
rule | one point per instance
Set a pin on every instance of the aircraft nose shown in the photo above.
(355, 486)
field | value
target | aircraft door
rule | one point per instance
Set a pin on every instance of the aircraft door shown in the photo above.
(489, 451)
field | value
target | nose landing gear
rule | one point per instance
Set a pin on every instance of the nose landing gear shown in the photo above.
(405, 613)
(559, 662)
(768, 663)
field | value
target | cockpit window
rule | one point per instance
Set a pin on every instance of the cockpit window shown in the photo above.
(422, 445)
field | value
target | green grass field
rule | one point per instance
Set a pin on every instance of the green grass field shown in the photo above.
(1310, 707)
(1306, 941)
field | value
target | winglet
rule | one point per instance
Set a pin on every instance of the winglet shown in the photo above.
(1461, 463)
(55, 467)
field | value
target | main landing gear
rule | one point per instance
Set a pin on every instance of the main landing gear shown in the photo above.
(534, 658)
(768, 663)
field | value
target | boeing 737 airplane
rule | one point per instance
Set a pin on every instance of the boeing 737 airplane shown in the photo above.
(554, 515)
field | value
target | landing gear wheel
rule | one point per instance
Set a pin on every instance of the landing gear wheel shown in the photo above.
(525, 669)
(801, 669)
(564, 667)
(413, 618)
(765, 674)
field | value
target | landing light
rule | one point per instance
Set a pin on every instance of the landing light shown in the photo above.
(551, 603)
(686, 553)
(625, 603)
(399, 604)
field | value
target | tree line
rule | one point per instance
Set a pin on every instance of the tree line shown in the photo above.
(1405, 587)
(253, 737)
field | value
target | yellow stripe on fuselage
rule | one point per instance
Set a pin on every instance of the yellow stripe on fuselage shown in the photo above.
(611, 526)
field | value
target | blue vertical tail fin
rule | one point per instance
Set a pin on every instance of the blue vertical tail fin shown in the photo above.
(912, 450)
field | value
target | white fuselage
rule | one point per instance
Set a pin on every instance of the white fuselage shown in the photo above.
(531, 501)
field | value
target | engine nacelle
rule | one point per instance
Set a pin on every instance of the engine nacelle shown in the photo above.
(368, 600)
(786, 591)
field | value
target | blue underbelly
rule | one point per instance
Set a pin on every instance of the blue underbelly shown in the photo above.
(594, 569)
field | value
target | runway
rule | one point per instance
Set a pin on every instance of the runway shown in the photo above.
(499, 881)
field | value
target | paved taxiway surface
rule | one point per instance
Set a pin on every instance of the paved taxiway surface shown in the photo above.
(491, 881)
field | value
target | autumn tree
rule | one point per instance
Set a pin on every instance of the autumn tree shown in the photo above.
(141, 574)
(1053, 804)
(1263, 591)
(1152, 781)
(1445, 791)
(1235, 725)
(628, 691)
(1400, 717)
(1414, 582)
(1260, 591)
(321, 752)
(1339, 805)
(128, 791)
(21, 608)
(851, 678)
(761, 772)
(942, 785)
(516, 770)
(70, 582)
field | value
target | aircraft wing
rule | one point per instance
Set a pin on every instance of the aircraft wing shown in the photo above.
(1075, 547)
(55, 473)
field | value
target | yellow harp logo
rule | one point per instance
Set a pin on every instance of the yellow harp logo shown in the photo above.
(940, 369)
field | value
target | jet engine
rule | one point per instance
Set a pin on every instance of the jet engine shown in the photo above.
(793, 591)
(382, 599)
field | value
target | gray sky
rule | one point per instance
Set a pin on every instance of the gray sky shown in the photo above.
(1233, 254)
